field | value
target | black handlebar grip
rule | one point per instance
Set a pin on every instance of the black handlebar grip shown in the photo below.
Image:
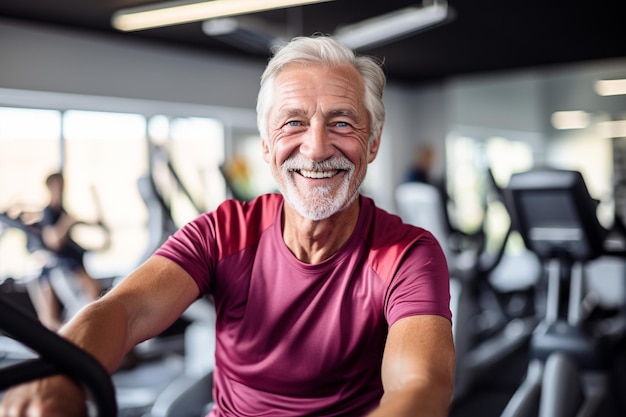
(56, 356)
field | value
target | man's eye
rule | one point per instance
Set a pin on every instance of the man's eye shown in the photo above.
(342, 124)
(293, 123)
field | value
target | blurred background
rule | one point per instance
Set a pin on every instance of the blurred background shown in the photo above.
(150, 127)
(505, 86)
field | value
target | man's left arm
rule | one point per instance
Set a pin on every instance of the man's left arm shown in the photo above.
(418, 368)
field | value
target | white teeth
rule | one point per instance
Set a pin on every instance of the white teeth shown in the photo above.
(318, 174)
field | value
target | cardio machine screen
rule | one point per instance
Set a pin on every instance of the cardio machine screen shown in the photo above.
(553, 224)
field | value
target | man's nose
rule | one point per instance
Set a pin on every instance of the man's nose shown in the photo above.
(316, 144)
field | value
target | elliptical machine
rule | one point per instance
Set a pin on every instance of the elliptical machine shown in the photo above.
(491, 324)
(569, 370)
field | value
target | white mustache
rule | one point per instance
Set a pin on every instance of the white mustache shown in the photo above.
(299, 163)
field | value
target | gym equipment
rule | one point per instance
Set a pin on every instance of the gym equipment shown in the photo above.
(487, 331)
(56, 356)
(60, 276)
(570, 351)
(191, 393)
(161, 367)
(421, 204)
(149, 367)
(157, 188)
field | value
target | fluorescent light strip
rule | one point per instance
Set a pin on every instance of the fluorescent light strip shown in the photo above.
(576, 119)
(393, 25)
(177, 12)
(610, 87)
(612, 129)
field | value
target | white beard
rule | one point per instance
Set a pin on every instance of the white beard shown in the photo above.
(319, 202)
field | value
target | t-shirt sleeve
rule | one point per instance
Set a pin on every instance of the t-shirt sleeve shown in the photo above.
(421, 284)
(192, 247)
(201, 245)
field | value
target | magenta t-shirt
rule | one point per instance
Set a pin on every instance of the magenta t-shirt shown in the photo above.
(300, 339)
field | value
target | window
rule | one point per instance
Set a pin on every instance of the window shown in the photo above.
(29, 150)
(196, 148)
(103, 156)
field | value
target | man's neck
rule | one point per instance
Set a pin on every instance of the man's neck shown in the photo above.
(312, 241)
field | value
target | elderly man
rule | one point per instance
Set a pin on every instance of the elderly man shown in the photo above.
(326, 304)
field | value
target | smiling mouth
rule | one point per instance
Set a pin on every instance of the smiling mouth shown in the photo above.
(317, 174)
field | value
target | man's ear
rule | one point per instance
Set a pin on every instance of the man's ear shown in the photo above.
(265, 149)
(373, 148)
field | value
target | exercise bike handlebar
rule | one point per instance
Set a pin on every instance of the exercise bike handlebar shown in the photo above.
(56, 356)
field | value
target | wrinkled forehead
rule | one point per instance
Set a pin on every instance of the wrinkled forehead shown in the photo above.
(320, 73)
(344, 70)
(334, 92)
(300, 81)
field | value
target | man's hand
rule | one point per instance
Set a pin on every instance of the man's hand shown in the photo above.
(57, 396)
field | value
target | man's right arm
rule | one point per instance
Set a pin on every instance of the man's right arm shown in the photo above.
(144, 304)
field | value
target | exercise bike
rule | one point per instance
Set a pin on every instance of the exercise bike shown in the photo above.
(55, 355)
(145, 372)
(572, 347)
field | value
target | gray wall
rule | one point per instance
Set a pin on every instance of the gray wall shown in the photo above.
(50, 59)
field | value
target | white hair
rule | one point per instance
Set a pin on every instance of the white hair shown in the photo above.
(324, 50)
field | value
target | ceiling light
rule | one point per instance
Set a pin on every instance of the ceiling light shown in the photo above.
(245, 32)
(610, 87)
(576, 119)
(612, 129)
(177, 12)
(400, 23)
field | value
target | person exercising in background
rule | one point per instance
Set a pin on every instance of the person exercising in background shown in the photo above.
(325, 304)
(421, 167)
(56, 225)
